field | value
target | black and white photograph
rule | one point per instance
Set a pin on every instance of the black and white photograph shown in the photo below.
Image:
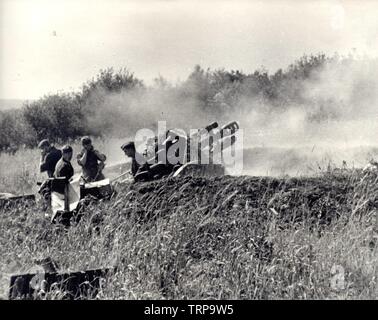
(183, 150)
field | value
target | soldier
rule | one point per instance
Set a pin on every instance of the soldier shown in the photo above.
(49, 157)
(64, 167)
(91, 160)
(138, 163)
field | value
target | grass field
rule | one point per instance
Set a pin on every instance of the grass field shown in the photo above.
(196, 238)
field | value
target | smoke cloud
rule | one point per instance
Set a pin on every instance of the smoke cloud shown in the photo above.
(332, 118)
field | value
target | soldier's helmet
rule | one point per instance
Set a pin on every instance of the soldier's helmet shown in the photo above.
(67, 149)
(128, 145)
(44, 143)
(86, 140)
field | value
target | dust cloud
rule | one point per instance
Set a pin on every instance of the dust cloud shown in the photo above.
(335, 125)
(334, 119)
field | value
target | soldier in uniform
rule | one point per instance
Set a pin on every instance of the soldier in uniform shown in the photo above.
(49, 157)
(91, 161)
(64, 167)
(138, 162)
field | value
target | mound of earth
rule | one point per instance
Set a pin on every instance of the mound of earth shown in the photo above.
(292, 199)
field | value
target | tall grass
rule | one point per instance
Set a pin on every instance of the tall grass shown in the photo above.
(220, 238)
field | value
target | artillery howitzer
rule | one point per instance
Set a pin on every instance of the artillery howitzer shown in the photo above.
(210, 140)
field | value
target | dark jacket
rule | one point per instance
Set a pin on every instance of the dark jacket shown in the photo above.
(90, 168)
(50, 160)
(64, 169)
(134, 167)
(137, 167)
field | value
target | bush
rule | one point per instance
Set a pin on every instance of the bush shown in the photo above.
(15, 131)
(57, 117)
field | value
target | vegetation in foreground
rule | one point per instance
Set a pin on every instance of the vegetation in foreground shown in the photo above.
(219, 238)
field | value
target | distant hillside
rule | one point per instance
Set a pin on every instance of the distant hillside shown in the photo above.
(11, 103)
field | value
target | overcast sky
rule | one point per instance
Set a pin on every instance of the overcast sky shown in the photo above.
(54, 46)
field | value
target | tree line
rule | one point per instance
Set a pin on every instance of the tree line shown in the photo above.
(63, 117)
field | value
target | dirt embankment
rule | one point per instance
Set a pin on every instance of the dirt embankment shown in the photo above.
(226, 237)
(292, 199)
